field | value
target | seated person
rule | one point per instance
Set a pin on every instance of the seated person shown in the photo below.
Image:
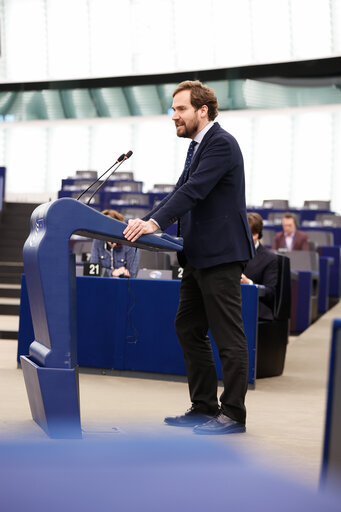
(116, 260)
(291, 238)
(262, 269)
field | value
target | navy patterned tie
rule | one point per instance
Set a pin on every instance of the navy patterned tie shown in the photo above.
(189, 159)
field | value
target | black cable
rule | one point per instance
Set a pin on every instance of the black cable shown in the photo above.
(130, 307)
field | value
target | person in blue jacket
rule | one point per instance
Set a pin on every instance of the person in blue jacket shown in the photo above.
(209, 203)
(116, 260)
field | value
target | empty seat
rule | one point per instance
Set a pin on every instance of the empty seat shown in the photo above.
(124, 186)
(276, 203)
(321, 238)
(154, 260)
(123, 175)
(311, 223)
(304, 260)
(268, 237)
(96, 200)
(334, 222)
(135, 198)
(276, 217)
(162, 187)
(177, 271)
(308, 261)
(316, 205)
(173, 258)
(80, 183)
(81, 248)
(86, 174)
(133, 213)
(329, 219)
(312, 245)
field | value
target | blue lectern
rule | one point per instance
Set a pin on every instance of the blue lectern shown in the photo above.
(50, 369)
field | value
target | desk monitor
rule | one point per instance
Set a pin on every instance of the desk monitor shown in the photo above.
(149, 273)
(86, 174)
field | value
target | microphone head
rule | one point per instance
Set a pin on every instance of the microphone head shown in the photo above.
(120, 158)
(128, 155)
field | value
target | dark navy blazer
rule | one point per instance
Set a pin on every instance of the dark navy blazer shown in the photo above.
(263, 269)
(211, 204)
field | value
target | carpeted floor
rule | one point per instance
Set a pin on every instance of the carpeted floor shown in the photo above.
(286, 414)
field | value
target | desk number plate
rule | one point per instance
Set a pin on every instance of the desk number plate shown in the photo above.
(92, 269)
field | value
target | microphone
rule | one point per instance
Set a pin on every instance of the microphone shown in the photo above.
(125, 157)
(120, 159)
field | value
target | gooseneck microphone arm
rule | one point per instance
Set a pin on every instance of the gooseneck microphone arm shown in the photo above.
(120, 159)
(125, 157)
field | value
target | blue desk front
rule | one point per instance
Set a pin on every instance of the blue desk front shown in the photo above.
(128, 324)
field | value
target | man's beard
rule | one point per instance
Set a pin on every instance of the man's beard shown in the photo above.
(189, 131)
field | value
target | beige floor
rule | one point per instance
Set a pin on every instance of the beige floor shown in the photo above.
(286, 414)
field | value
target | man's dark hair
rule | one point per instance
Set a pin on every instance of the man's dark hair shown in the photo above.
(256, 224)
(200, 95)
(289, 215)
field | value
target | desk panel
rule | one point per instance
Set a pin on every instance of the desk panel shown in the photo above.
(128, 324)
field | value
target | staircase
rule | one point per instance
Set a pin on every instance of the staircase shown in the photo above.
(14, 229)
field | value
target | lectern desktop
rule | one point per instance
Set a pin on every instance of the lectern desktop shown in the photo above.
(50, 369)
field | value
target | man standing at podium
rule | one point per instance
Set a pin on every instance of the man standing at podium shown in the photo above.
(209, 203)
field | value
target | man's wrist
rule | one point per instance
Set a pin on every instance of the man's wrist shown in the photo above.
(156, 223)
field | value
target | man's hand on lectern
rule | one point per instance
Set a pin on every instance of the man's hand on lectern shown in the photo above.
(138, 227)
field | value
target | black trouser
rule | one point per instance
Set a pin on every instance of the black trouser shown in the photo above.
(211, 298)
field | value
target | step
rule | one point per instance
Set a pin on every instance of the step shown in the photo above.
(16, 221)
(11, 254)
(9, 309)
(10, 267)
(12, 242)
(8, 335)
(9, 327)
(19, 234)
(10, 290)
(9, 306)
(17, 215)
(10, 278)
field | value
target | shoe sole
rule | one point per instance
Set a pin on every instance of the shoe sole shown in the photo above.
(180, 424)
(231, 430)
(189, 424)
